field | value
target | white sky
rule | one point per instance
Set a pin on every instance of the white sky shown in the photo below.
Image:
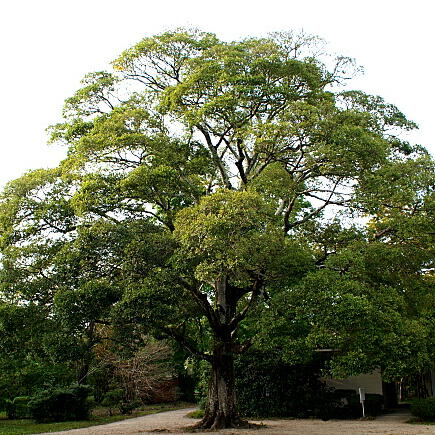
(47, 46)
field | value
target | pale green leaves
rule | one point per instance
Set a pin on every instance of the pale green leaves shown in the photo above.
(96, 96)
(232, 234)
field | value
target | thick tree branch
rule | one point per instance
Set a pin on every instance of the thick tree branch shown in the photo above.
(180, 338)
(256, 291)
(239, 162)
(216, 158)
(204, 304)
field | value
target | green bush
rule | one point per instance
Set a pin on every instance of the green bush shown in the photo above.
(34, 377)
(66, 404)
(18, 408)
(374, 404)
(424, 409)
(113, 399)
(268, 387)
(3, 403)
(99, 380)
(116, 399)
(347, 404)
(10, 409)
(128, 407)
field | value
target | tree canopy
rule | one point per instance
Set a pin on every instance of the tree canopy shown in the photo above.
(228, 195)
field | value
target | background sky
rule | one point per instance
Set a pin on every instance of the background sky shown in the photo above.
(47, 46)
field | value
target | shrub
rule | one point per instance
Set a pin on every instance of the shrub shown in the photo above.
(3, 403)
(17, 408)
(113, 399)
(424, 409)
(347, 404)
(116, 399)
(146, 375)
(374, 404)
(128, 407)
(99, 380)
(61, 404)
(10, 409)
(268, 387)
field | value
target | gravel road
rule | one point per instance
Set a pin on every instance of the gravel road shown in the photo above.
(171, 422)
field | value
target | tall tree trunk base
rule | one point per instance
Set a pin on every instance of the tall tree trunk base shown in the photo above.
(221, 421)
(221, 412)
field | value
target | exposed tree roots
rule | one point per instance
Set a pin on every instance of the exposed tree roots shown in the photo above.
(212, 423)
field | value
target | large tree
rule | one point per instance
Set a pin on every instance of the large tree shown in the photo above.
(205, 163)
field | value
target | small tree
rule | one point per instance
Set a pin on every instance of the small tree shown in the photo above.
(142, 374)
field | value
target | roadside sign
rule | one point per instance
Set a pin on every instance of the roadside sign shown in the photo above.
(362, 397)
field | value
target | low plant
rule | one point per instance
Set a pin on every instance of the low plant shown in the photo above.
(269, 387)
(424, 409)
(18, 407)
(61, 404)
(113, 399)
(374, 404)
(198, 413)
(128, 407)
(347, 404)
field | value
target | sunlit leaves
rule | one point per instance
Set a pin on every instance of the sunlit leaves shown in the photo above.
(193, 201)
(230, 234)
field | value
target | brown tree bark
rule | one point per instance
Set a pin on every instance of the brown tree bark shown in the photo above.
(221, 409)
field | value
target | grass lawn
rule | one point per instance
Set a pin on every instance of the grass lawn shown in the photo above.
(22, 427)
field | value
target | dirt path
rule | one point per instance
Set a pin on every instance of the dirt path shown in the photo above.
(175, 421)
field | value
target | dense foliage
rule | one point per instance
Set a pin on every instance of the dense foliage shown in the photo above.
(424, 409)
(268, 387)
(66, 404)
(195, 205)
(18, 407)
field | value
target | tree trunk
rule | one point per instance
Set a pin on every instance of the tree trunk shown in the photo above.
(85, 363)
(221, 404)
(221, 409)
